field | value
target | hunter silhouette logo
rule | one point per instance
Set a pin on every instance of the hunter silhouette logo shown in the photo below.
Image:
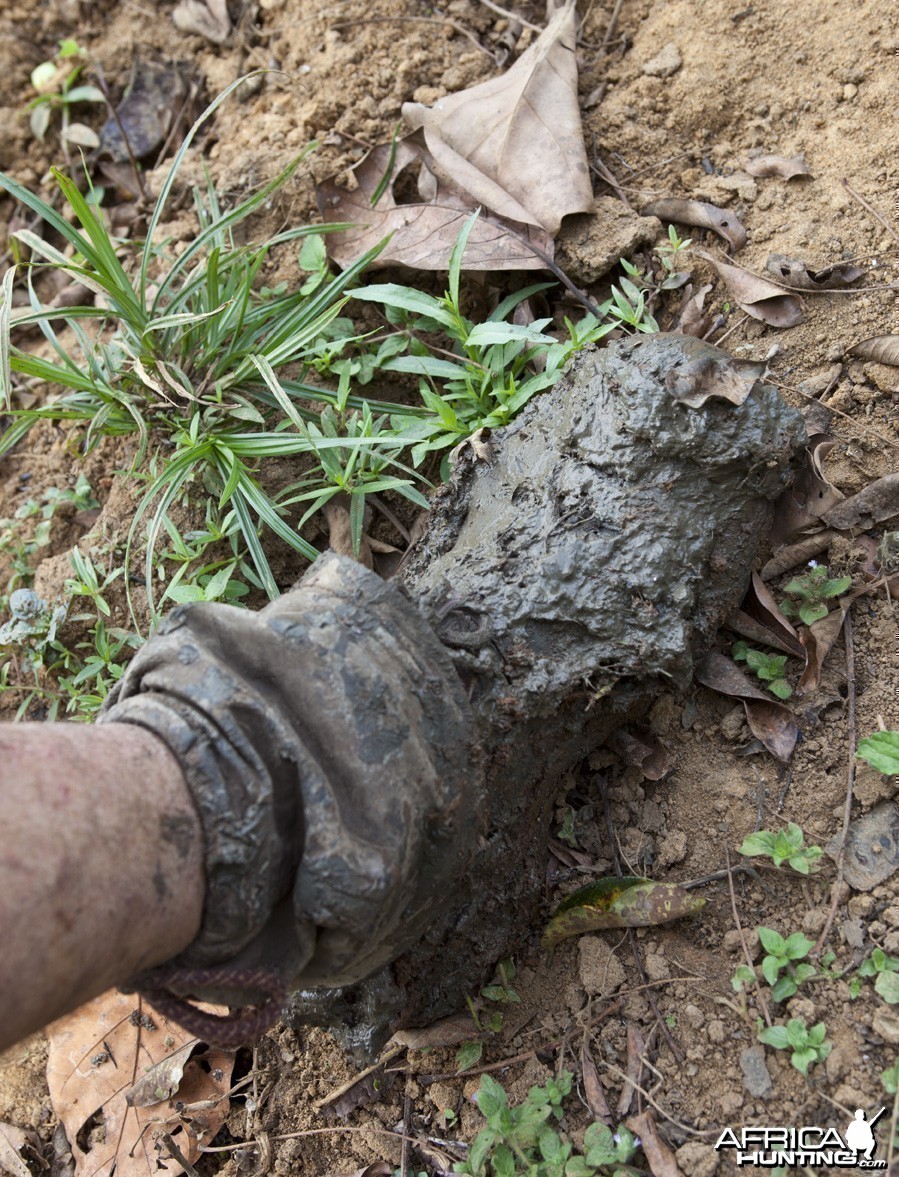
(768, 1148)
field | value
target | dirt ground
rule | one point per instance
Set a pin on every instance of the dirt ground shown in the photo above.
(811, 77)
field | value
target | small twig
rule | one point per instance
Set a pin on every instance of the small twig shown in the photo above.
(744, 945)
(514, 16)
(603, 172)
(351, 1083)
(610, 31)
(560, 274)
(642, 1090)
(837, 412)
(177, 1155)
(850, 784)
(731, 330)
(873, 211)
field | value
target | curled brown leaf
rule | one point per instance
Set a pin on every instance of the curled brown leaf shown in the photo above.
(593, 1092)
(794, 273)
(759, 618)
(873, 504)
(644, 751)
(819, 639)
(883, 349)
(692, 318)
(769, 721)
(760, 298)
(782, 166)
(658, 1155)
(701, 216)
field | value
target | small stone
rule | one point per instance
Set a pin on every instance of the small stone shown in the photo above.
(716, 1031)
(600, 971)
(732, 723)
(694, 1015)
(885, 377)
(886, 1023)
(837, 1064)
(656, 966)
(699, 1160)
(672, 850)
(804, 1008)
(890, 916)
(814, 920)
(665, 63)
(852, 932)
(849, 91)
(756, 1078)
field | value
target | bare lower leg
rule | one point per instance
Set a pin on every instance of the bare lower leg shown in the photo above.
(101, 869)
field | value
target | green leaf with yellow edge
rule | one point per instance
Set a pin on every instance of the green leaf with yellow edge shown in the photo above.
(627, 901)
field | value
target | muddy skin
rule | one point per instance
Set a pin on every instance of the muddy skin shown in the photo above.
(571, 576)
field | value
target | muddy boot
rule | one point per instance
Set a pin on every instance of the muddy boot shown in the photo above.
(403, 742)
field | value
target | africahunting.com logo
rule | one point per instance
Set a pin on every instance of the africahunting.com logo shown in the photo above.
(770, 1148)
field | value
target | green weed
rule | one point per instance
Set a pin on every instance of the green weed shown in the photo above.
(807, 1045)
(524, 1141)
(808, 594)
(59, 91)
(881, 751)
(885, 970)
(784, 966)
(786, 846)
(770, 668)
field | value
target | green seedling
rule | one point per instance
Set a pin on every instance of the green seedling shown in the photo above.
(566, 830)
(807, 1045)
(783, 966)
(890, 1078)
(59, 90)
(808, 594)
(669, 255)
(881, 751)
(88, 582)
(28, 530)
(786, 846)
(525, 1140)
(500, 990)
(770, 668)
(885, 970)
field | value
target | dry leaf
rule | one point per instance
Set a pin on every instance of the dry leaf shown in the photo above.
(593, 1092)
(378, 1169)
(80, 135)
(878, 502)
(153, 99)
(795, 273)
(769, 721)
(884, 349)
(691, 318)
(758, 297)
(12, 1141)
(636, 1051)
(818, 639)
(422, 235)
(784, 167)
(449, 1031)
(713, 374)
(96, 1055)
(208, 18)
(625, 902)
(799, 553)
(811, 495)
(701, 216)
(340, 537)
(645, 751)
(514, 143)
(659, 1156)
(759, 618)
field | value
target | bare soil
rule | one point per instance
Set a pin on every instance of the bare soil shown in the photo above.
(811, 77)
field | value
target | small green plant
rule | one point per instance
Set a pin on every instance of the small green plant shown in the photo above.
(566, 830)
(807, 1045)
(890, 1078)
(488, 1021)
(524, 1141)
(885, 970)
(881, 751)
(784, 966)
(808, 594)
(770, 668)
(59, 91)
(28, 530)
(786, 846)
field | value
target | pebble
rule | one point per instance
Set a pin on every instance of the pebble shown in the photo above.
(756, 1078)
(665, 63)
(600, 971)
(886, 1023)
(699, 1160)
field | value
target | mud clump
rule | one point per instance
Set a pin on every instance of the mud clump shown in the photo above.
(572, 575)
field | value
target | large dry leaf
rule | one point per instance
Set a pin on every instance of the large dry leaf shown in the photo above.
(811, 495)
(884, 349)
(658, 1155)
(514, 143)
(98, 1056)
(636, 1053)
(448, 1031)
(422, 235)
(878, 502)
(769, 721)
(692, 318)
(760, 619)
(701, 216)
(819, 639)
(593, 1092)
(12, 1141)
(758, 297)
(794, 273)
(153, 100)
(798, 553)
(785, 168)
(712, 376)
